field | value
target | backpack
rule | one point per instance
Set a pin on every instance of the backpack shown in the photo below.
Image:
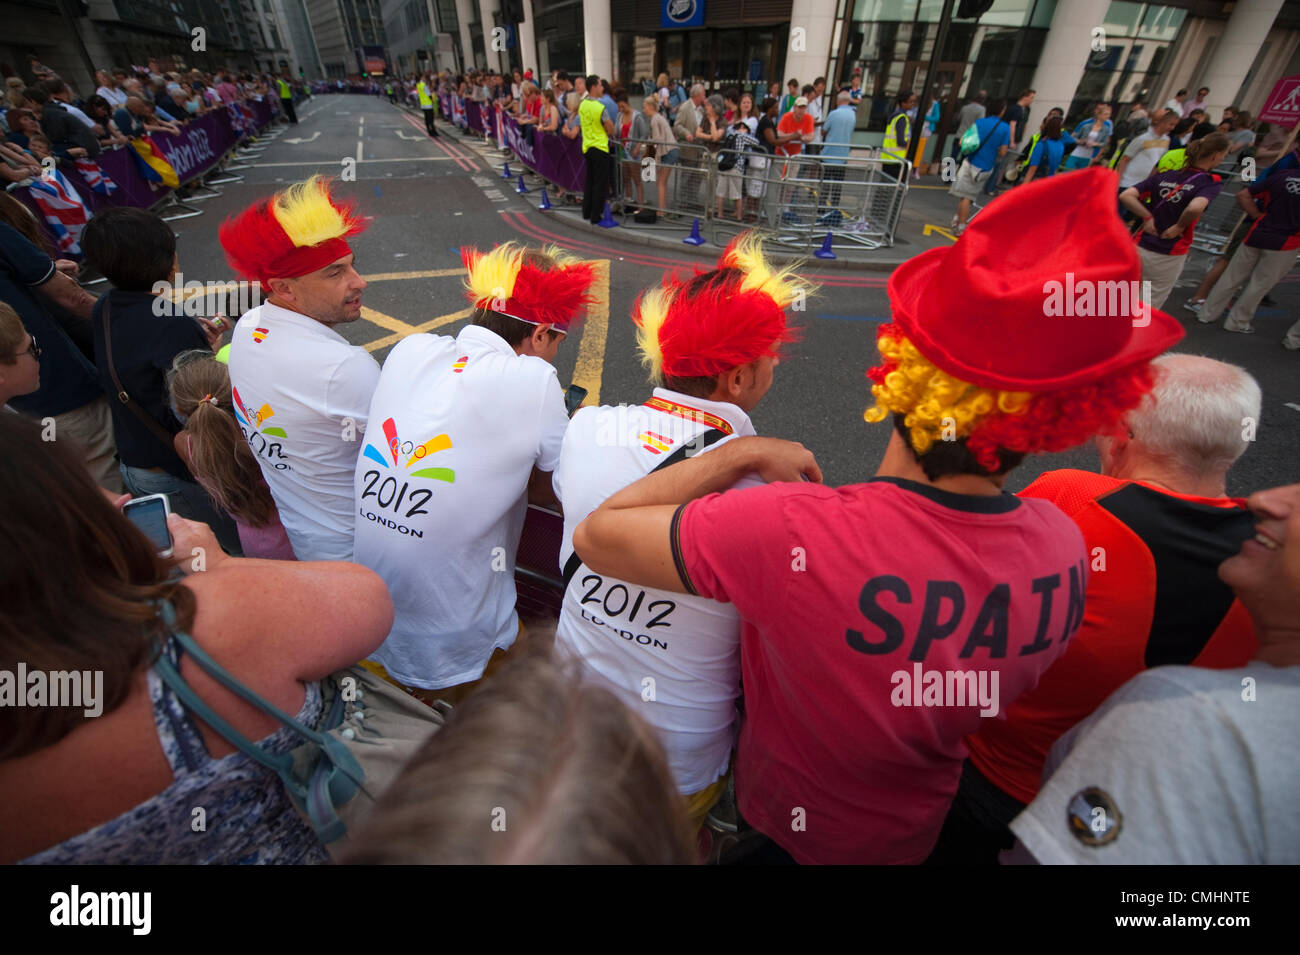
(727, 155)
(971, 140)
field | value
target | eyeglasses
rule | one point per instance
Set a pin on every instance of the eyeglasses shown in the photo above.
(33, 349)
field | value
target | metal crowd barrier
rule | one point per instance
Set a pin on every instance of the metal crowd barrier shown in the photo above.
(797, 198)
(679, 189)
(1215, 226)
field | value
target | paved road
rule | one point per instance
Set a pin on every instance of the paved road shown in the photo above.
(429, 197)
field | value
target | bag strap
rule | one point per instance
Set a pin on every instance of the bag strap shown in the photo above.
(697, 444)
(281, 765)
(132, 405)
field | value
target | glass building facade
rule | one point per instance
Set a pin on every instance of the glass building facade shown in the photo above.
(892, 41)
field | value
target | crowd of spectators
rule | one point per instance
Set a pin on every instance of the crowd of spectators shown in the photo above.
(50, 118)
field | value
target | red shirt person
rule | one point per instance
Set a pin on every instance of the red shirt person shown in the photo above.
(1157, 523)
(883, 621)
(799, 123)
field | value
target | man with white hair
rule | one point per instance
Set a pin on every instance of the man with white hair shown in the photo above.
(1157, 523)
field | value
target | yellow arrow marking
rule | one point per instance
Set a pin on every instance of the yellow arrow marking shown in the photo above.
(590, 366)
(942, 230)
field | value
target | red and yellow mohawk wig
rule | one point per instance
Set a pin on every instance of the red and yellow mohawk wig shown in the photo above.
(296, 231)
(540, 287)
(937, 406)
(721, 319)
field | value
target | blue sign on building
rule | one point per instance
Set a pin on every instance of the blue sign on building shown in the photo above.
(682, 13)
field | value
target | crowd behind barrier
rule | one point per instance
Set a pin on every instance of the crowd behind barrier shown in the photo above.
(797, 199)
(200, 147)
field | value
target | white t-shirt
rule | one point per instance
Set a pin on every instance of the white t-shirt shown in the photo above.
(1143, 152)
(1182, 765)
(626, 634)
(115, 97)
(458, 424)
(303, 394)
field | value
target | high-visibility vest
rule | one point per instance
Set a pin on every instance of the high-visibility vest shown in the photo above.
(1024, 163)
(426, 101)
(891, 147)
(590, 115)
(285, 92)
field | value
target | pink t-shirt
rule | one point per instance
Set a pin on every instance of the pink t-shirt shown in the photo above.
(852, 599)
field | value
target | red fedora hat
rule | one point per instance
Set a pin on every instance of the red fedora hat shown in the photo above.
(1043, 292)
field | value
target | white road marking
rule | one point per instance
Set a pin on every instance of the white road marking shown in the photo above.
(360, 150)
(334, 162)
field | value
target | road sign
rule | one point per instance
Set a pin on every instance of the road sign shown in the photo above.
(1283, 104)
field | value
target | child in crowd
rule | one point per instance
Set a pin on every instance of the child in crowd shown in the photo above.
(218, 454)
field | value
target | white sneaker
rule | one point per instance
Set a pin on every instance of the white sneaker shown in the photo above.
(1194, 304)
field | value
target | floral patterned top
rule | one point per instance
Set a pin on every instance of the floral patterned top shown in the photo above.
(246, 818)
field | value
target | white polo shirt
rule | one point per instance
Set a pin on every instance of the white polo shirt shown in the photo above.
(303, 392)
(457, 426)
(625, 634)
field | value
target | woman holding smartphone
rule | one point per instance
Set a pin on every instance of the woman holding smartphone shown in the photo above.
(131, 777)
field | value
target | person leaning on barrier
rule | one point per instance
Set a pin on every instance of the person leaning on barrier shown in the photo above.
(466, 461)
(302, 390)
(116, 781)
(664, 145)
(847, 594)
(1187, 765)
(1157, 522)
(711, 344)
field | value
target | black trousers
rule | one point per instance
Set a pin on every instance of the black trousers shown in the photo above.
(431, 129)
(597, 184)
(287, 106)
(976, 828)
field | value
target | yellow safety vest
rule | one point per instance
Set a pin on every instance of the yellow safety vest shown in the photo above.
(590, 113)
(426, 102)
(891, 147)
(285, 92)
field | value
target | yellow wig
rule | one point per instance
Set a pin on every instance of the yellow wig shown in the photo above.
(308, 215)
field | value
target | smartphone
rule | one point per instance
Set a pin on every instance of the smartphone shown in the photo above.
(149, 513)
(574, 396)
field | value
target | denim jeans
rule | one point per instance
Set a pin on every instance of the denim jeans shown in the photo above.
(187, 499)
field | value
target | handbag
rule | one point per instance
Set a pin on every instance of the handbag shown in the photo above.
(369, 730)
(132, 405)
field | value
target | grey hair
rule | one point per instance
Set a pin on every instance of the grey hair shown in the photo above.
(719, 105)
(697, 89)
(1202, 409)
(843, 97)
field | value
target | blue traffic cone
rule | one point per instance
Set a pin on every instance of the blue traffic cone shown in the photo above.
(521, 188)
(825, 251)
(694, 238)
(607, 221)
(546, 200)
(506, 174)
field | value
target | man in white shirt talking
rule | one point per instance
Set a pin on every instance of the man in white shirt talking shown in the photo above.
(711, 343)
(301, 390)
(464, 432)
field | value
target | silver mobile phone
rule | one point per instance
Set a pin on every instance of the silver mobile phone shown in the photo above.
(149, 513)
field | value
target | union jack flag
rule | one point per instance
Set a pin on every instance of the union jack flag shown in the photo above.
(98, 180)
(65, 211)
